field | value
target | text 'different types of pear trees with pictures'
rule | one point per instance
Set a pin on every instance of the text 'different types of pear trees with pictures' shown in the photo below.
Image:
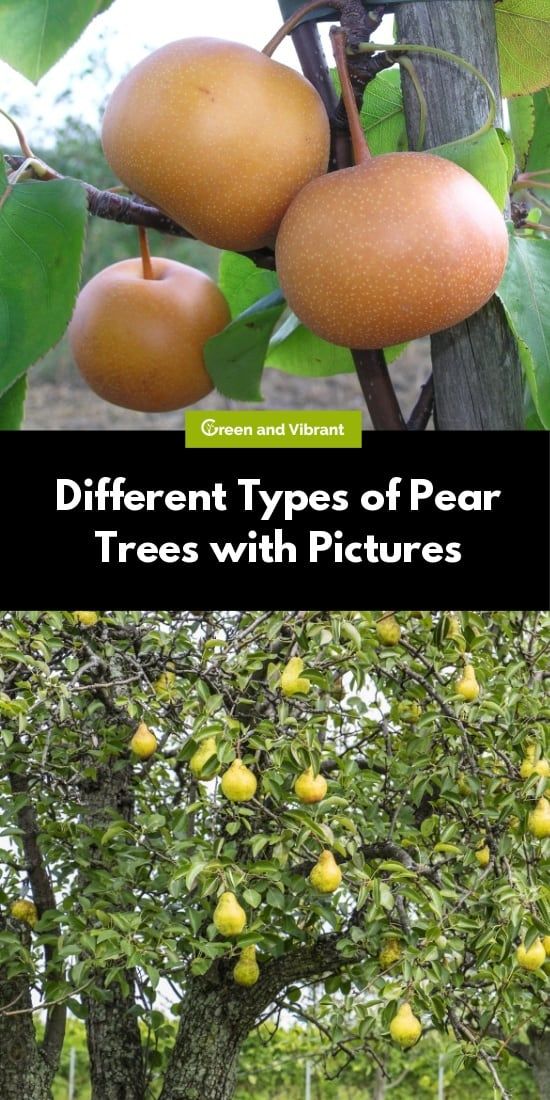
(237, 809)
(355, 209)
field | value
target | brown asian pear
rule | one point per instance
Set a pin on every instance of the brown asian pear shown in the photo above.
(400, 246)
(139, 342)
(218, 136)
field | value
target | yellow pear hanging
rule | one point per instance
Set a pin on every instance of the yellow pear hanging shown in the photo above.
(326, 876)
(388, 630)
(86, 618)
(292, 682)
(405, 1028)
(483, 855)
(467, 685)
(531, 958)
(530, 766)
(246, 972)
(201, 756)
(25, 911)
(239, 783)
(538, 821)
(310, 788)
(143, 742)
(390, 953)
(165, 682)
(229, 917)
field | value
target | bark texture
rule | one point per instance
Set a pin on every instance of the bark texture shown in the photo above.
(477, 371)
(540, 1063)
(114, 1042)
(217, 1015)
(24, 1067)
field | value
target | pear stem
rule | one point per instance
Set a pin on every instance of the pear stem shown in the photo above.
(296, 19)
(24, 145)
(148, 272)
(375, 47)
(361, 151)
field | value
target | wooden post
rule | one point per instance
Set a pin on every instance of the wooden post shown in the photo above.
(477, 372)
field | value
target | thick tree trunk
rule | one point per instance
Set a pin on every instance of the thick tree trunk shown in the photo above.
(114, 1042)
(477, 372)
(540, 1062)
(204, 1063)
(24, 1071)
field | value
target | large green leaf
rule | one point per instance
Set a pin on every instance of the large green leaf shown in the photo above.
(524, 45)
(42, 228)
(235, 358)
(383, 115)
(522, 126)
(34, 34)
(243, 283)
(296, 350)
(525, 294)
(538, 157)
(485, 158)
(12, 406)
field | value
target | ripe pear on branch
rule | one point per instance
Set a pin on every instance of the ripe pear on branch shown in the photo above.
(538, 821)
(405, 1028)
(388, 630)
(246, 972)
(483, 855)
(326, 876)
(292, 682)
(201, 756)
(533, 957)
(467, 685)
(390, 952)
(165, 682)
(24, 911)
(239, 783)
(310, 788)
(409, 711)
(144, 742)
(229, 917)
(86, 618)
(530, 766)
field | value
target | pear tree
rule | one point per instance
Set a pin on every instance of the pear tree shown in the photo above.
(225, 811)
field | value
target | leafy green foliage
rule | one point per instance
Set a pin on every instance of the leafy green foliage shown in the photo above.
(12, 406)
(42, 236)
(523, 28)
(525, 294)
(407, 806)
(34, 34)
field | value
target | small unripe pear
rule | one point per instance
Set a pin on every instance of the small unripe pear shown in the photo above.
(292, 682)
(239, 783)
(143, 742)
(530, 958)
(165, 682)
(388, 630)
(25, 911)
(483, 855)
(405, 1028)
(326, 876)
(390, 953)
(409, 711)
(309, 788)
(86, 618)
(467, 685)
(538, 821)
(229, 917)
(246, 972)
(204, 753)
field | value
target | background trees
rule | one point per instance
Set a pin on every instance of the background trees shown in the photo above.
(125, 858)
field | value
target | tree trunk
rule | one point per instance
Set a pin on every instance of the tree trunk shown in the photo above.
(24, 1071)
(116, 1057)
(477, 371)
(213, 1026)
(379, 1085)
(540, 1062)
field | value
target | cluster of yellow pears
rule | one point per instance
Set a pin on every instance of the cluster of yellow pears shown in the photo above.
(533, 957)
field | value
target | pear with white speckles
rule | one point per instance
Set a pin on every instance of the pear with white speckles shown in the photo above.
(400, 246)
(218, 136)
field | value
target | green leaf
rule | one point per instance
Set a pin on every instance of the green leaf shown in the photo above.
(235, 358)
(34, 34)
(483, 157)
(382, 114)
(523, 28)
(242, 283)
(296, 350)
(525, 294)
(522, 126)
(12, 406)
(42, 227)
(539, 150)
